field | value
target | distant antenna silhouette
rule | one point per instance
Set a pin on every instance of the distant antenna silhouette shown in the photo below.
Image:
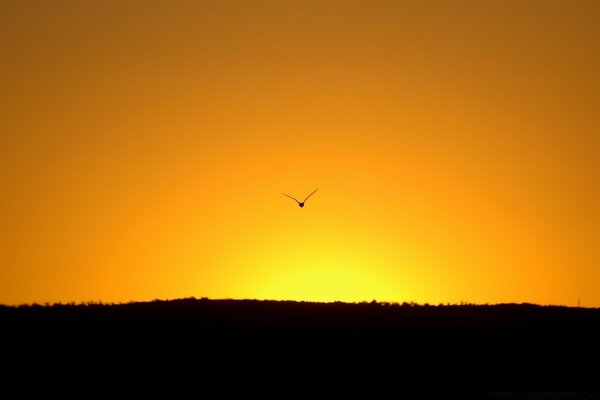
(300, 203)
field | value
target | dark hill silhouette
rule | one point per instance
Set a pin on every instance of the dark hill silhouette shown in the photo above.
(378, 346)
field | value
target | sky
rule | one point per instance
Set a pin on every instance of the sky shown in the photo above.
(144, 147)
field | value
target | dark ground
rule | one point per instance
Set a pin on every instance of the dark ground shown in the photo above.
(295, 349)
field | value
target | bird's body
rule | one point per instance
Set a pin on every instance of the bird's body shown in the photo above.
(300, 203)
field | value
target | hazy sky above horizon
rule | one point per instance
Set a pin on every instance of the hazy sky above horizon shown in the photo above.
(144, 146)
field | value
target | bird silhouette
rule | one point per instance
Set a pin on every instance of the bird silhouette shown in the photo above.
(300, 203)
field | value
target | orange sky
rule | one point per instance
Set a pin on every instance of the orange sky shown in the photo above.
(144, 146)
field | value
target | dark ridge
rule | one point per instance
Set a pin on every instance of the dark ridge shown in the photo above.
(485, 348)
(204, 317)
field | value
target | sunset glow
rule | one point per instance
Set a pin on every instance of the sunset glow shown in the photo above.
(144, 147)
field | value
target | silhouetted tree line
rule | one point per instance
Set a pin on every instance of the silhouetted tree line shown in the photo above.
(296, 317)
(494, 346)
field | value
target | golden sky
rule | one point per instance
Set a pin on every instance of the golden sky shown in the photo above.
(144, 146)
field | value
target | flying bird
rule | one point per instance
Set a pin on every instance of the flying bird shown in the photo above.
(300, 203)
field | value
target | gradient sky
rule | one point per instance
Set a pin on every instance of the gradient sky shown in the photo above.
(144, 146)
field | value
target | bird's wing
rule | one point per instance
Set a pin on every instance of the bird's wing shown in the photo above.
(310, 195)
(290, 197)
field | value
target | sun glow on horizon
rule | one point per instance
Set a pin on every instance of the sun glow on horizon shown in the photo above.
(327, 284)
(144, 147)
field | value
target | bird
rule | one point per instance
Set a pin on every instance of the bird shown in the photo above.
(300, 203)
